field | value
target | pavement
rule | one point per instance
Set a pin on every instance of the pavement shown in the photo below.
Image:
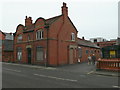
(84, 68)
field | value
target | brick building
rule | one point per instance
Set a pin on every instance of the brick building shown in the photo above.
(50, 41)
(2, 37)
(106, 43)
(6, 46)
(101, 42)
(86, 48)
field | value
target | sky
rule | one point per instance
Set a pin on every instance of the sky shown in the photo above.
(92, 18)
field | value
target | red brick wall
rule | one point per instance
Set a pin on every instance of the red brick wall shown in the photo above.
(84, 58)
(58, 48)
(33, 42)
(2, 36)
(107, 43)
(7, 56)
(59, 40)
(59, 35)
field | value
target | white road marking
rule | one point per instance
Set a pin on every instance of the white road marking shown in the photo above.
(90, 72)
(12, 70)
(116, 86)
(56, 78)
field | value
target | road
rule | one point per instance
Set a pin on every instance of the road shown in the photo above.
(17, 76)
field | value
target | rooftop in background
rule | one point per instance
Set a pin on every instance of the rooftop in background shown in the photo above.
(106, 43)
(86, 43)
(98, 39)
(118, 41)
(8, 36)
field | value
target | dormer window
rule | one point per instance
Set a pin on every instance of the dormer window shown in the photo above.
(39, 34)
(73, 36)
(19, 39)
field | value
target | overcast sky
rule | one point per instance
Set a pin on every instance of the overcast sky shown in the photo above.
(92, 18)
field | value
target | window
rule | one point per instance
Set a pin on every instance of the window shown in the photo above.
(95, 51)
(95, 40)
(73, 36)
(98, 51)
(19, 38)
(39, 54)
(79, 52)
(19, 53)
(91, 51)
(112, 54)
(39, 35)
(87, 51)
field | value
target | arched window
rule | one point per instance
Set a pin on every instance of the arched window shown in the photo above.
(39, 34)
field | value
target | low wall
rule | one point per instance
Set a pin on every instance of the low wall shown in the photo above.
(109, 64)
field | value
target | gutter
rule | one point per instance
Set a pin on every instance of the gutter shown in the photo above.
(46, 61)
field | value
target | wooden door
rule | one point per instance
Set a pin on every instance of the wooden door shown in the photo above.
(71, 56)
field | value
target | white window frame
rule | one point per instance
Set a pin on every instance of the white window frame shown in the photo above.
(73, 36)
(19, 54)
(39, 34)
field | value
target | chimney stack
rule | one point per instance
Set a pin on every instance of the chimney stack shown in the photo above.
(10, 33)
(64, 9)
(28, 21)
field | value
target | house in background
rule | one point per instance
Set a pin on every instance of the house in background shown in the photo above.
(111, 50)
(101, 42)
(106, 43)
(98, 39)
(50, 41)
(110, 57)
(2, 37)
(6, 47)
(86, 48)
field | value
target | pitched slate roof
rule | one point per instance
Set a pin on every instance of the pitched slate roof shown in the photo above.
(87, 43)
(47, 21)
(53, 19)
(8, 45)
(30, 28)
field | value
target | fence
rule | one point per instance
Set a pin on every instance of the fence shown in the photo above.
(109, 64)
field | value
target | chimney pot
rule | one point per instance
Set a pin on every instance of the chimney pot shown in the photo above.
(26, 17)
(83, 38)
(28, 21)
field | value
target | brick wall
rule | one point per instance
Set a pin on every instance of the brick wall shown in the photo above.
(91, 51)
